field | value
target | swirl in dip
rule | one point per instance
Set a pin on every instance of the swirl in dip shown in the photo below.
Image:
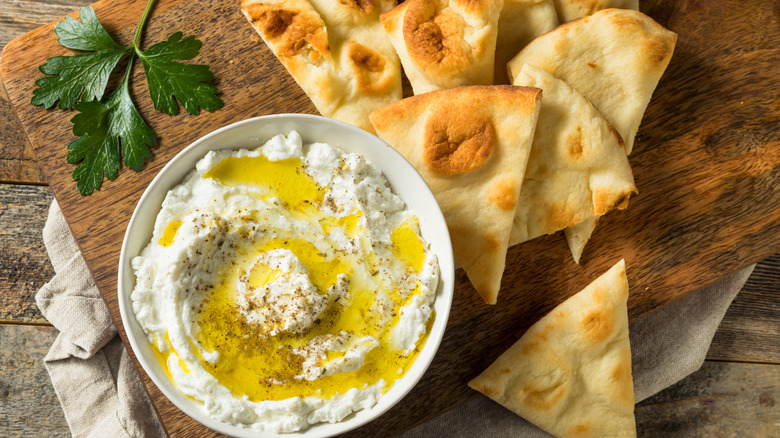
(285, 286)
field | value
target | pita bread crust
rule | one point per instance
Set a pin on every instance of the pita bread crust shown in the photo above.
(479, 200)
(445, 43)
(614, 57)
(520, 22)
(335, 50)
(570, 373)
(569, 10)
(577, 169)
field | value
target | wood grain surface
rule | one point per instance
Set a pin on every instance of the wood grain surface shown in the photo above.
(706, 163)
(29, 404)
(732, 400)
(750, 330)
(24, 264)
(17, 160)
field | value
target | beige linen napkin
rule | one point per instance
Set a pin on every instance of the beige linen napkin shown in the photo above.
(92, 374)
(102, 396)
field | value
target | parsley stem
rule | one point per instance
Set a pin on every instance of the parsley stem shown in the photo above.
(126, 79)
(141, 25)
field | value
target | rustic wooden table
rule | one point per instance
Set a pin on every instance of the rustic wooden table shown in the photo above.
(733, 394)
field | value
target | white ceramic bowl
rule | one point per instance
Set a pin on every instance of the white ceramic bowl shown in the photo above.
(250, 134)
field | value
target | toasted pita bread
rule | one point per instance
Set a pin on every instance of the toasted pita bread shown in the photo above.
(337, 51)
(578, 167)
(519, 23)
(445, 43)
(471, 146)
(614, 57)
(570, 373)
(572, 9)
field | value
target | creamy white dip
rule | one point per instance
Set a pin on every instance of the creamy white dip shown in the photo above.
(285, 286)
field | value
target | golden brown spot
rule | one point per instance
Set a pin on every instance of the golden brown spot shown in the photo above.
(597, 325)
(504, 194)
(621, 377)
(423, 36)
(274, 21)
(456, 143)
(581, 429)
(290, 31)
(491, 243)
(601, 202)
(575, 150)
(659, 49)
(369, 69)
(627, 20)
(574, 144)
(366, 58)
(604, 201)
(432, 37)
(561, 215)
(591, 65)
(543, 399)
(617, 373)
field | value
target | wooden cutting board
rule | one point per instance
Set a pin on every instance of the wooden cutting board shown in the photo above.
(706, 161)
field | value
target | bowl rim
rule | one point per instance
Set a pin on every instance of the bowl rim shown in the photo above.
(430, 218)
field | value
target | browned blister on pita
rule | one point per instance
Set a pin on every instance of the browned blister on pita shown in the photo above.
(335, 50)
(471, 146)
(569, 10)
(577, 169)
(570, 373)
(445, 43)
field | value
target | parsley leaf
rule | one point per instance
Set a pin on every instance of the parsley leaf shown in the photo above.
(103, 126)
(107, 125)
(88, 72)
(168, 79)
(87, 34)
(82, 76)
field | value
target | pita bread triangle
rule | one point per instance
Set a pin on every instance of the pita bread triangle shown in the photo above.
(471, 146)
(445, 43)
(336, 51)
(569, 10)
(570, 373)
(615, 58)
(577, 169)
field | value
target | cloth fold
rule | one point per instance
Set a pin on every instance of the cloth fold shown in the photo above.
(101, 393)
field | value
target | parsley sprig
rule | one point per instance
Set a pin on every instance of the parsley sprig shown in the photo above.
(108, 126)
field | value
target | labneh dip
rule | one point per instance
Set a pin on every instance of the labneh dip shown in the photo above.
(285, 286)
